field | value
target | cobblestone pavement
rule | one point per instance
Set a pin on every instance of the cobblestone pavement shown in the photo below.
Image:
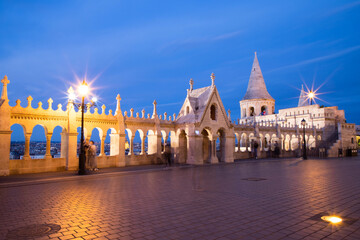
(207, 202)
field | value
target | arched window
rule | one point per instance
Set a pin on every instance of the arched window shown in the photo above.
(252, 111)
(187, 110)
(244, 112)
(263, 110)
(213, 112)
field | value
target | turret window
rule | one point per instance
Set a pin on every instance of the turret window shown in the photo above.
(213, 112)
(187, 110)
(251, 111)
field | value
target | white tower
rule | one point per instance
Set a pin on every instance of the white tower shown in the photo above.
(257, 101)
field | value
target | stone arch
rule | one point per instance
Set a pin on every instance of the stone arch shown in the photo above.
(311, 142)
(294, 143)
(164, 137)
(267, 142)
(206, 145)
(250, 142)
(273, 140)
(17, 141)
(57, 142)
(287, 142)
(136, 142)
(38, 135)
(128, 143)
(221, 144)
(112, 138)
(243, 142)
(261, 142)
(237, 143)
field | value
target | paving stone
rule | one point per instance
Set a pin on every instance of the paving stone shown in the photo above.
(165, 205)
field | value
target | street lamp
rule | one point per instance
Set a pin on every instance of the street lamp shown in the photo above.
(303, 123)
(83, 91)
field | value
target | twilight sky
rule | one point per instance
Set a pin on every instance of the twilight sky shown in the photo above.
(148, 50)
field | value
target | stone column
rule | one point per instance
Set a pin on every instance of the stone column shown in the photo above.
(194, 147)
(229, 142)
(27, 146)
(142, 145)
(214, 158)
(48, 145)
(114, 144)
(102, 146)
(72, 160)
(121, 148)
(131, 145)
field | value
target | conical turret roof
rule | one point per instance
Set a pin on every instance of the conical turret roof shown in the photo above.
(256, 87)
(303, 100)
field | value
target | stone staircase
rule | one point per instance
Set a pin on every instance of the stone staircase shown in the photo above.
(333, 151)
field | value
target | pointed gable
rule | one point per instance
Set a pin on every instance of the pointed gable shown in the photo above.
(256, 87)
(194, 105)
(221, 116)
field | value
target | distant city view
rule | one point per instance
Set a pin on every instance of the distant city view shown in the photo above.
(38, 149)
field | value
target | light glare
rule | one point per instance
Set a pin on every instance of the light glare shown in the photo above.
(94, 99)
(83, 89)
(311, 95)
(72, 96)
(332, 219)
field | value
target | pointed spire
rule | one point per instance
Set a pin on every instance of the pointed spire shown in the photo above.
(303, 100)
(256, 87)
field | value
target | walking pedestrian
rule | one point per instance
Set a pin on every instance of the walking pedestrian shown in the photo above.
(168, 154)
(256, 145)
(92, 156)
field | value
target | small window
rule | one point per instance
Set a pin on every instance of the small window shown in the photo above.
(252, 111)
(213, 112)
(187, 110)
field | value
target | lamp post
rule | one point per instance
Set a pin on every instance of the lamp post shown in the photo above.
(303, 123)
(83, 91)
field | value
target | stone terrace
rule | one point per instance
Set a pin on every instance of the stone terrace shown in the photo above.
(197, 202)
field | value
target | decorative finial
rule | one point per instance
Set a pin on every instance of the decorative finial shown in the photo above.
(50, 102)
(191, 84)
(29, 98)
(212, 79)
(118, 109)
(154, 112)
(5, 81)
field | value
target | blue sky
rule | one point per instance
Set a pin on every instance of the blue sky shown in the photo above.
(148, 50)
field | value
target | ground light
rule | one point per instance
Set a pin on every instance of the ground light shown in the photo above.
(332, 219)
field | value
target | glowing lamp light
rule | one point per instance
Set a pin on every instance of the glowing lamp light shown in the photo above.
(94, 99)
(332, 219)
(83, 89)
(311, 94)
(72, 96)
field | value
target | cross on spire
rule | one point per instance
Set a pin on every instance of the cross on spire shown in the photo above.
(191, 84)
(212, 79)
